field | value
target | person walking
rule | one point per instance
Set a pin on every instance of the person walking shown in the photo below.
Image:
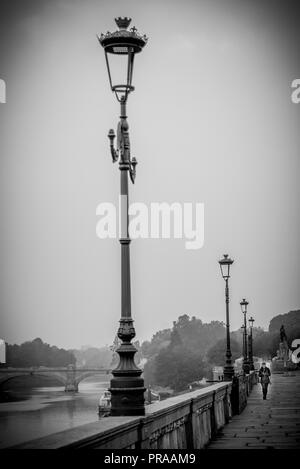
(264, 375)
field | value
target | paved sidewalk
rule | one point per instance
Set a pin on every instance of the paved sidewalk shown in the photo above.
(270, 424)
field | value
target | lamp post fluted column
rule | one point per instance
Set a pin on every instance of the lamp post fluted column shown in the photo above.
(250, 345)
(127, 386)
(228, 368)
(245, 361)
(243, 329)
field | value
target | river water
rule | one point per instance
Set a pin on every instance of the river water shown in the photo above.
(40, 411)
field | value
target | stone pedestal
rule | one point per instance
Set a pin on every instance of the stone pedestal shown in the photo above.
(280, 366)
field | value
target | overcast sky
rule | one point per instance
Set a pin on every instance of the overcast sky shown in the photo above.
(211, 121)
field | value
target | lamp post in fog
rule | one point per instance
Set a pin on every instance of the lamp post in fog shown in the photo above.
(246, 365)
(127, 386)
(225, 264)
(251, 363)
(243, 328)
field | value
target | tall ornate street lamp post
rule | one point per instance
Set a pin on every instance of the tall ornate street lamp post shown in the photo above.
(127, 386)
(225, 264)
(246, 365)
(251, 363)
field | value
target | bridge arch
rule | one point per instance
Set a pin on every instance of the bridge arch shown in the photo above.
(80, 377)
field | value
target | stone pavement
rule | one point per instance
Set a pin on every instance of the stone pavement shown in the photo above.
(270, 424)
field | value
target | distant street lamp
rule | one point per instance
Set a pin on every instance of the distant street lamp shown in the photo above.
(251, 362)
(246, 365)
(225, 264)
(127, 386)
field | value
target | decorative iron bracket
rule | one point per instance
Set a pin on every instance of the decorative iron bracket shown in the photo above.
(122, 152)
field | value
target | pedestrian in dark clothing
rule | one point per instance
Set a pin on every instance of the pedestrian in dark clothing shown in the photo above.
(264, 375)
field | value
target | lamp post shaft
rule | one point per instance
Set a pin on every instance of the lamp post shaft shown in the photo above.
(124, 166)
(228, 368)
(246, 365)
(250, 348)
(127, 386)
(245, 333)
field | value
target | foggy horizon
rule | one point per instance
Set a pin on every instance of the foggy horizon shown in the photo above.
(103, 345)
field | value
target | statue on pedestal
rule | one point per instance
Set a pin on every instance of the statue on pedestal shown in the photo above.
(283, 361)
(283, 337)
(283, 346)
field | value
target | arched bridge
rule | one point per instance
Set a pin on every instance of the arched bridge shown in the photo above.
(69, 377)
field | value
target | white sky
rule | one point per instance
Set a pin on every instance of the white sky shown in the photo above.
(211, 121)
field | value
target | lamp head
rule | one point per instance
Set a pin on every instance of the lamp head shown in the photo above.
(120, 48)
(244, 303)
(225, 264)
(251, 321)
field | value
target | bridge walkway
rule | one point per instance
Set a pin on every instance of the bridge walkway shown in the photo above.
(266, 424)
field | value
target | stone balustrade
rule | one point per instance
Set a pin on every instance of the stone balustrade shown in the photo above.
(241, 388)
(187, 421)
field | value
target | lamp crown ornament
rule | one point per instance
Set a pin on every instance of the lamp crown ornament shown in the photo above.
(226, 260)
(123, 37)
(123, 22)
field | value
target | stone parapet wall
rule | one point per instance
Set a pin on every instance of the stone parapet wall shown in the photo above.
(187, 421)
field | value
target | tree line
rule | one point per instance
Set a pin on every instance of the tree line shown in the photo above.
(177, 357)
(186, 353)
(37, 353)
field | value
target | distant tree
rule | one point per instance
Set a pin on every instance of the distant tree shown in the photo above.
(198, 336)
(176, 357)
(159, 340)
(37, 353)
(237, 336)
(175, 339)
(265, 345)
(93, 357)
(216, 354)
(177, 366)
(149, 371)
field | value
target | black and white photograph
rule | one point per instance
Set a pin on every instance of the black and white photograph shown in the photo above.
(150, 227)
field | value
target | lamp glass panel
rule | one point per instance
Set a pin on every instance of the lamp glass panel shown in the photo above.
(225, 270)
(118, 65)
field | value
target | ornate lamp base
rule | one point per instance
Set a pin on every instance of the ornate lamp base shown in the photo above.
(228, 372)
(127, 386)
(246, 367)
